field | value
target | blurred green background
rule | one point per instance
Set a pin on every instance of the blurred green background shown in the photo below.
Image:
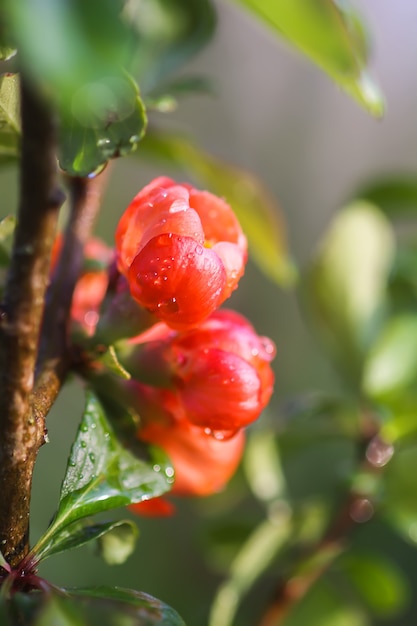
(276, 115)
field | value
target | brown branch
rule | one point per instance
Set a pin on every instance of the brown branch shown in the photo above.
(21, 435)
(54, 354)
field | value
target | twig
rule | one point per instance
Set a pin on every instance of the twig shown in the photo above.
(22, 309)
(54, 354)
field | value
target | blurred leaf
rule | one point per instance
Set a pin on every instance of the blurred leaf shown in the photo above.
(83, 531)
(165, 98)
(102, 474)
(391, 366)
(345, 286)
(382, 587)
(86, 42)
(7, 226)
(9, 118)
(116, 545)
(102, 606)
(254, 557)
(332, 35)
(168, 33)
(324, 605)
(396, 196)
(402, 286)
(262, 466)
(258, 214)
(399, 483)
(94, 132)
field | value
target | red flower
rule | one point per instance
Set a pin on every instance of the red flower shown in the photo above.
(220, 370)
(182, 251)
(203, 465)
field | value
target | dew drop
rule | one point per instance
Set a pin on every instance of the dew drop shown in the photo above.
(104, 142)
(268, 347)
(92, 457)
(199, 250)
(168, 306)
(156, 468)
(223, 435)
(83, 444)
(84, 427)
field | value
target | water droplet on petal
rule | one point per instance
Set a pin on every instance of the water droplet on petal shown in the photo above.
(268, 347)
(199, 250)
(223, 435)
(168, 306)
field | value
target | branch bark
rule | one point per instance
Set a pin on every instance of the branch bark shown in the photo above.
(21, 314)
(54, 354)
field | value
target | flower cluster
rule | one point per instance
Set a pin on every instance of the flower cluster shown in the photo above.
(200, 374)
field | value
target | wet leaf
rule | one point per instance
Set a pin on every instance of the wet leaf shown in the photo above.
(102, 474)
(332, 35)
(83, 531)
(258, 214)
(96, 131)
(101, 606)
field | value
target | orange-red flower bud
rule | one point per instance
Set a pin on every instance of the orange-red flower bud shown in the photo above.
(182, 251)
(220, 370)
(203, 465)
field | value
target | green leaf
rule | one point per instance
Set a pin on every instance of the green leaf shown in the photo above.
(95, 131)
(7, 226)
(165, 98)
(257, 212)
(254, 557)
(137, 608)
(102, 474)
(262, 466)
(396, 196)
(391, 367)
(102, 606)
(116, 545)
(83, 531)
(9, 118)
(379, 583)
(168, 33)
(332, 35)
(87, 42)
(345, 286)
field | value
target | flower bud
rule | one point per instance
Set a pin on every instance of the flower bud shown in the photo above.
(203, 465)
(182, 251)
(219, 370)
